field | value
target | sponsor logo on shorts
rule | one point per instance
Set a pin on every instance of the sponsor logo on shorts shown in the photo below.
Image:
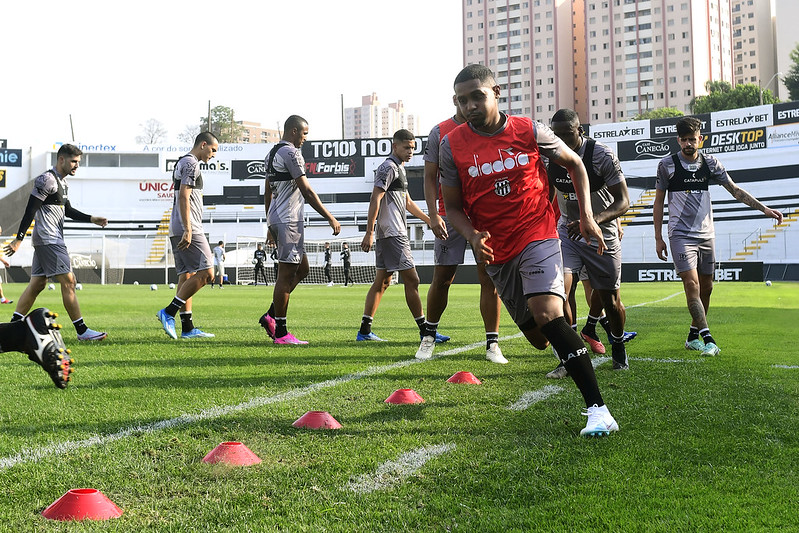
(535, 272)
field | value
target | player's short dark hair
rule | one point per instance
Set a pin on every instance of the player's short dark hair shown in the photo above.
(294, 121)
(205, 137)
(69, 150)
(403, 135)
(476, 72)
(221, 242)
(688, 125)
(566, 115)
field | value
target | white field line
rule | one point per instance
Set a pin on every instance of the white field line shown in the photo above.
(393, 472)
(533, 397)
(653, 360)
(785, 366)
(35, 454)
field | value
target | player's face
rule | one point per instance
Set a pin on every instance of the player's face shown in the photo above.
(478, 103)
(300, 135)
(404, 150)
(568, 132)
(67, 166)
(208, 151)
(689, 144)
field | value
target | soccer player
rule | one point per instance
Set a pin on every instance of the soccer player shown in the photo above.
(609, 200)
(449, 252)
(49, 204)
(39, 336)
(287, 192)
(328, 259)
(193, 258)
(686, 176)
(219, 263)
(346, 262)
(3, 299)
(259, 257)
(387, 206)
(273, 256)
(491, 168)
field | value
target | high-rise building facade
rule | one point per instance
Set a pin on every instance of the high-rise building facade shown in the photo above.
(373, 120)
(610, 60)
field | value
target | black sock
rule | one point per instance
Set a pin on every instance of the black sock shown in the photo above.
(366, 325)
(574, 355)
(16, 317)
(186, 323)
(693, 333)
(706, 336)
(420, 322)
(271, 310)
(574, 327)
(173, 308)
(281, 330)
(80, 327)
(491, 337)
(605, 323)
(12, 337)
(590, 326)
(428, 329)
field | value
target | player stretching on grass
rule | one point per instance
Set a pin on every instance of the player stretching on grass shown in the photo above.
(450, 250)
(193, 258)
(686, 176)
(491, 168)
(49, 204)
(287, 191)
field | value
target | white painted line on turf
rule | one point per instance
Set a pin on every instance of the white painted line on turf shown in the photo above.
(533, 397)
(785, 366)
(653, 360)
(393, 472)
(31, 455)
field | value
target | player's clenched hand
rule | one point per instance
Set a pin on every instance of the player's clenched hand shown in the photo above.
(366, 243)
(335, 225)
(588, 229)
(12, 247)
(660, 247)
(483, 253)
(100, 221)
(573, 228)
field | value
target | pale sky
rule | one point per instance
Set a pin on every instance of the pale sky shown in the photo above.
(112, 65)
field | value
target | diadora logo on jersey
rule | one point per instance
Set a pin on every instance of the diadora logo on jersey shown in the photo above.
(506, 160)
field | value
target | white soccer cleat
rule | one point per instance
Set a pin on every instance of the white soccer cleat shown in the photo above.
(494, 354)
(91, 335)
(425, 350)
(600, 422)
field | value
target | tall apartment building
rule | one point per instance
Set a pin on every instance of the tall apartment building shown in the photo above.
(608, 59)
(373, 120)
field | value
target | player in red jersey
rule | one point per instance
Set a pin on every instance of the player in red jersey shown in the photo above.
(491, 168)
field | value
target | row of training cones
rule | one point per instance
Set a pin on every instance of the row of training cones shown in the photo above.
(91, 504)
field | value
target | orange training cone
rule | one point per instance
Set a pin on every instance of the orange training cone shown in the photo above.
(317, 420)
(82, 504)
(232, 453)
(404, 396)
(464, 377)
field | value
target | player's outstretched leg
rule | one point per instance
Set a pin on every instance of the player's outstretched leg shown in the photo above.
(45, 346)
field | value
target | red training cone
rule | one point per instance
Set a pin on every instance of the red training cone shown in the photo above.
(232, 453)
(82, 504)
(464, 377)
(317, 420)
(404, 396)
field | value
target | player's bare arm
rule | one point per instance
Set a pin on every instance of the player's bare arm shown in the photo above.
(413, 209)
(100, 221)
(747, 199)
(565, 157)
(371, 219)
(657, 222)
(267, 197)
(453, 204)
(619, 206)
(185, 215)
(431, 197)
(313, 200)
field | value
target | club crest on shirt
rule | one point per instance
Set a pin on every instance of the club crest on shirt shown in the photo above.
(502, 187)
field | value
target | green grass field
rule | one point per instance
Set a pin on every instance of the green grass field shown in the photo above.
(705, 444)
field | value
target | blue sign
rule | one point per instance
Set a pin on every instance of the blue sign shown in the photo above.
(10, 158)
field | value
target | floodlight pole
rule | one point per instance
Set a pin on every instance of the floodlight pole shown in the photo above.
(763, 88)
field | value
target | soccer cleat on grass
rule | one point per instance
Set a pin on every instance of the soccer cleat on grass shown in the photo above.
(6, 301)
(45, 346)
(560, 372)
(91, 335)
(441, 338)
(368, 337)
(196, 333)
(594, 342)
(288, 338)
(268, 323)
(168, 323)
(710, 350)
(696, 344)
(629, 335)
(619, 356)
(425, 350)
(600, 422)
(494, 354)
